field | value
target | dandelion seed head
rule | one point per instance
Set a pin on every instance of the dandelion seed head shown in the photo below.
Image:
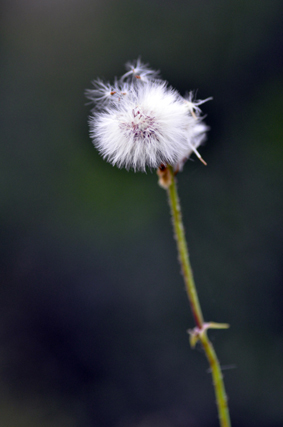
(140, 123)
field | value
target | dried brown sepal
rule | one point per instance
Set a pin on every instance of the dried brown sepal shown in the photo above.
(164, 176)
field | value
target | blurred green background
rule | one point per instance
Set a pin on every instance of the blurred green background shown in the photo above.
(93, 308)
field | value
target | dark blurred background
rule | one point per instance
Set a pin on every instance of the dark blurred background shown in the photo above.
(92, 304)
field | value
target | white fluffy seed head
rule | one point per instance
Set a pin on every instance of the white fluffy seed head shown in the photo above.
(142, 122)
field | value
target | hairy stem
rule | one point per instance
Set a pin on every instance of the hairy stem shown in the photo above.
(200, 332)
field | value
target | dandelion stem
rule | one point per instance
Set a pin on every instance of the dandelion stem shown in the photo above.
(200, 332)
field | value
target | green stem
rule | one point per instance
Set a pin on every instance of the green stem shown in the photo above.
(201, 326)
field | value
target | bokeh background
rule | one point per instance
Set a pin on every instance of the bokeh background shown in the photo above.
(92, 304)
